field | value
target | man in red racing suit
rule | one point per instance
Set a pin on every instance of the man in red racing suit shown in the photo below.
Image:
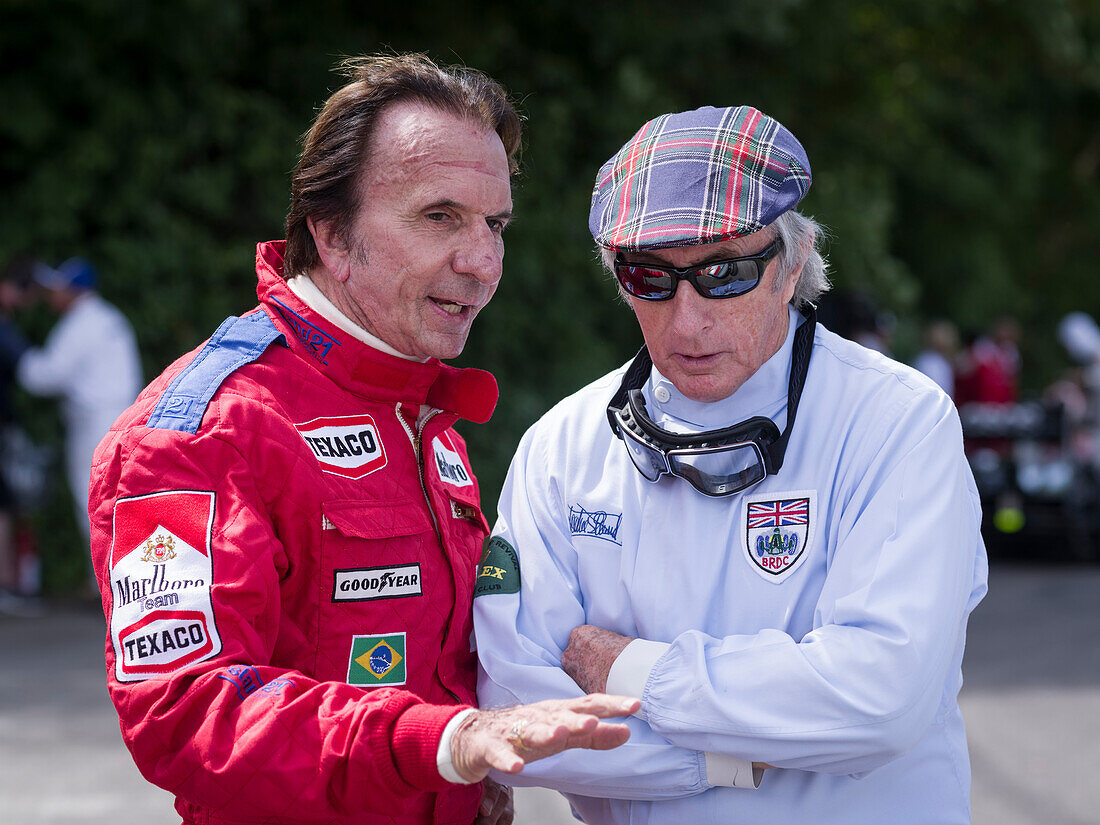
(309, 458)
(286, 529)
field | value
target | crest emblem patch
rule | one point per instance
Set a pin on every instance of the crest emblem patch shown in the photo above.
(159, 549)
(777, 530)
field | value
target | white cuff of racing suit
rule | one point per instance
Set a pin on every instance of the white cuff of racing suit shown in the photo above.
(443, 755)
(628, 675)
(731, 772)
(630, 670)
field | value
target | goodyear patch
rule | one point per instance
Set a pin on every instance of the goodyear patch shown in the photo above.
(377, 660)
(498, 570)
(364, 584)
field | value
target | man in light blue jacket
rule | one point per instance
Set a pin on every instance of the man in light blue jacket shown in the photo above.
(767, 533)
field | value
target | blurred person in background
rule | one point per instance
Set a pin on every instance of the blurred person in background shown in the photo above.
(286, 525)
(1079, 390)
(1079, 333)
(767, 532)
(854, 314)
(20, 572)
(989, 372)
(90, 361)
(939, 352)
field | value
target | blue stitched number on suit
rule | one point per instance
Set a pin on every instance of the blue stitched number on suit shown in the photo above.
(177, 406)
(319, 341)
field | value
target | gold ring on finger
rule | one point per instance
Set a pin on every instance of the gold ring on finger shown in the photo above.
(515, 735)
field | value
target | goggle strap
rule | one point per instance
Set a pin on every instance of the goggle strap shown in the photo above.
(802, 347)
(635, 376)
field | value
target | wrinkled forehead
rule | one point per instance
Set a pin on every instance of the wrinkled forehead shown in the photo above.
(415, 140)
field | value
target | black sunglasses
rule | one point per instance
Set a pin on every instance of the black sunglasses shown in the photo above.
(718, 279)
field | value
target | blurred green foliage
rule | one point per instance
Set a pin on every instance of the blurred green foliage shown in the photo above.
(955, 147)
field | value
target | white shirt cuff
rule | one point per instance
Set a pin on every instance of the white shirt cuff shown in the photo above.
(730, 772)
(630, 670)
(443, 755)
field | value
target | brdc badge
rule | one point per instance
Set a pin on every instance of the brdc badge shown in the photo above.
(777, 530)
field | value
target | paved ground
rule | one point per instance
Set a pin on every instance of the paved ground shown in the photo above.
(1032, 703)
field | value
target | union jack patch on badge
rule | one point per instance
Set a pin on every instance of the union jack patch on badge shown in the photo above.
(777, 530)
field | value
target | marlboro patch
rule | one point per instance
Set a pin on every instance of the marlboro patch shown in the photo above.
(452, 469)
(162, 616)
(777, 530)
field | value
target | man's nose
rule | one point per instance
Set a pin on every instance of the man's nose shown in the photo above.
(690, 310)
(481, 255)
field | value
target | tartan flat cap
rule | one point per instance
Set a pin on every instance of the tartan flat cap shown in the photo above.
(698, 177)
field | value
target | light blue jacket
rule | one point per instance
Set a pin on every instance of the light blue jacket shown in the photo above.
(834, 654)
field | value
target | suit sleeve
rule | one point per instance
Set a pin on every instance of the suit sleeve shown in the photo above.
(51, 369)
(203, 709)
(526, 603)
(867, 682)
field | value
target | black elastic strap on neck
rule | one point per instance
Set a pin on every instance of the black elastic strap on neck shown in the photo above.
(800, 364)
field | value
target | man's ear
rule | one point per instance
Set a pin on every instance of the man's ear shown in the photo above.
(804, 250)
(332, 247)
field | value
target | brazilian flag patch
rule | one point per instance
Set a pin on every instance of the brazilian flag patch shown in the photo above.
(377, 660)
(498, 570)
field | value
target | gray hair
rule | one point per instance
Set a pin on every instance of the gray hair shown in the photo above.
(796, 232)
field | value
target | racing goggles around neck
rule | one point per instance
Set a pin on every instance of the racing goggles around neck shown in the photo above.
(717, 279)
(715, 462)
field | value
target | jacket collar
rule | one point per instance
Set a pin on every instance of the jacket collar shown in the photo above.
(469, 393)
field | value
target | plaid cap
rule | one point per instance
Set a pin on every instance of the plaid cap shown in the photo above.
(698, 177)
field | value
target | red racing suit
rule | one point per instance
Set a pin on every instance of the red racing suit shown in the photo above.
(287, 561)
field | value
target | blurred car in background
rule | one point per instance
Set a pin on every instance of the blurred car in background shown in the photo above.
(1035, 464)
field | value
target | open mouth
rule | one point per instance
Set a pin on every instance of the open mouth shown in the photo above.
(450, 307)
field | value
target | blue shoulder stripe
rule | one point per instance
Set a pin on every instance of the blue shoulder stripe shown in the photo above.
(238, 341)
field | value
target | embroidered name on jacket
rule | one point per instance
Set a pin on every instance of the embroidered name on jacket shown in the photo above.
(317, 341)
(162, 615)
(346, 446)
(596, 523)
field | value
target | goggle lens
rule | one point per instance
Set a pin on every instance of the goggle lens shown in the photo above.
(649, 461)
(722, 472)
(713, 471)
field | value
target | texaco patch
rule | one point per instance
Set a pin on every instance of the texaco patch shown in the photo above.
(162, 616)
(777, 530)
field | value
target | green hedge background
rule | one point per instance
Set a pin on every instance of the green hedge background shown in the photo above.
(955, 147)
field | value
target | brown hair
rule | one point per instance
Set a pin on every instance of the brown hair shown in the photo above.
(336, 148)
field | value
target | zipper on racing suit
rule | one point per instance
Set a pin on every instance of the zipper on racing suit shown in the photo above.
(416, 438)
